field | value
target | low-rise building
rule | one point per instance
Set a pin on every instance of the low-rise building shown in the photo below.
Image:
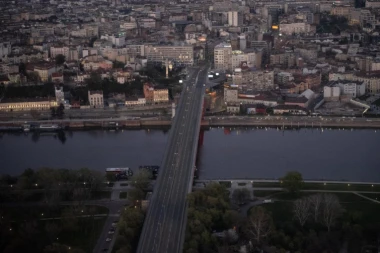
(45, 70)
(96, 98)
(289, 109)
(160, 95)
(135, 101)
(9, 105)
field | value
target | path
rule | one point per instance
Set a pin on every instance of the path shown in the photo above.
(373, 200)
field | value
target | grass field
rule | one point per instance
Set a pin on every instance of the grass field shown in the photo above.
(282, 209)
(101, 195)
(83, 234)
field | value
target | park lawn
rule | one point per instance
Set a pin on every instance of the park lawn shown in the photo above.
(101, 195)
(264, 193)
(282, 209)
(27, 212)
(84, 236)
(123, 195)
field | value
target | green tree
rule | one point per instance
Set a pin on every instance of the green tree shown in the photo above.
(94, 82)
(141, 180)
(118, 65)
(60, 59)
(136, 195)
(33, 77)
(293, 181)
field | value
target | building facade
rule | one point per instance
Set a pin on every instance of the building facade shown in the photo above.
(181, 55)
(95, 98)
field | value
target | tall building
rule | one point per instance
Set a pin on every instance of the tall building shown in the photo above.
(183, 55)
(235, 18)
(222, 56)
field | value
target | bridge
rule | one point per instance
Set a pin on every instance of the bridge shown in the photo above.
(165, 222)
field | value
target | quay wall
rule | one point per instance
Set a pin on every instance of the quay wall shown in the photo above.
(165, 122)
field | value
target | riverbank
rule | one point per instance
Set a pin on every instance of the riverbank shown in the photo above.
(228, 121)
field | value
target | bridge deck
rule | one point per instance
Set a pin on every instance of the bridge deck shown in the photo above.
(165, 223)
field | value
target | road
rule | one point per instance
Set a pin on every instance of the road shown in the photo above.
(165, 223)
(294, 121)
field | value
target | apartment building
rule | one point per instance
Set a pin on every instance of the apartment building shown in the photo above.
(295, 28)
(235, 18)
(252, 59)
(254, 80)
(182, 55)
(222, 56)
(45, 71)
(5, 49)
(95, 98)
(54, 51)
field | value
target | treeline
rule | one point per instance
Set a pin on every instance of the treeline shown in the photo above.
(296, 222)
(54, 184)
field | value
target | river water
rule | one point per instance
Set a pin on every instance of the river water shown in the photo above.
(225, 154)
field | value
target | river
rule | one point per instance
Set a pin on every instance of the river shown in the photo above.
(239, 153)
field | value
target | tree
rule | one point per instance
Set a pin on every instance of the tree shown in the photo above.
(301, 210)
(33, 77)
(241, 196)
(331, 210)
(118, 65)
(49, 180)
(260, 224)
(60, 110)
(60, 59)
(315, 205)
(293, 181)
(135, 194)
(141, 179)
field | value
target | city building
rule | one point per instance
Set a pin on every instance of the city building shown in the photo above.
(5, 49)
(45, 70)
(253, 79)
(160, 95)
(9, 105)
(95, 98)
(235, 18)
(222, 57)
(178, 55)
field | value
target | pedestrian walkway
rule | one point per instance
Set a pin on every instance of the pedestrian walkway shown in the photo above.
(373, 200)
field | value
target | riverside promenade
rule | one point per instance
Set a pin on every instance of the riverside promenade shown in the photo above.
(282, 122)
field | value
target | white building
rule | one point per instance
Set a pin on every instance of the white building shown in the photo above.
(352, 88)
(183, 55)
(96, 99)
(59, 95)
(295, 28)
(252, 59)
(54, 51)
(5, 49)
(235, 18)
(222, 56)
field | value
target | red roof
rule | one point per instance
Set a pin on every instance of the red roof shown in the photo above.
(57, 74)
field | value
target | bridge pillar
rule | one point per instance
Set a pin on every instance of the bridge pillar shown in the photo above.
(201, 136)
